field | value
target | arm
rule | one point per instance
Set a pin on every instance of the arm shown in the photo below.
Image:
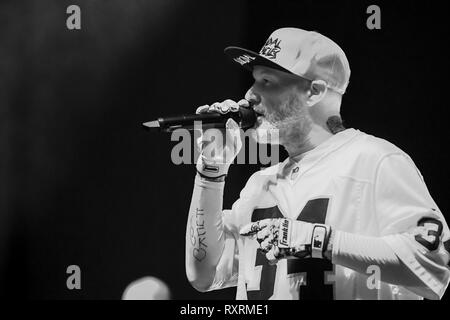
(205, 238)
(411, 249)
(208, 245)
(401, 259)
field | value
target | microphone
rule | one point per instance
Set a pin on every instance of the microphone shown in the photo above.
(245, 118)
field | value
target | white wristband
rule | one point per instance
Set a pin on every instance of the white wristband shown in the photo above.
(211, 169)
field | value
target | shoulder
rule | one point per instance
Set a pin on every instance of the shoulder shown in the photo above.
(362, 155)
(372, 145)
(367, 147)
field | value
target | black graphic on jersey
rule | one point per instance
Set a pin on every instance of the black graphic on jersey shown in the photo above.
(315, 211)
(268, 271)
(315, 289)
(431, 242)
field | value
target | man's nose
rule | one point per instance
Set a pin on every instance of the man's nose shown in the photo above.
(252, 97)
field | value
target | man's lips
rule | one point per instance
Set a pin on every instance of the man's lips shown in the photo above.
(259, 118)
(259, 113)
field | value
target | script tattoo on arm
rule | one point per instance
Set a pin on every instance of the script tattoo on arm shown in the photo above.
(198, 235)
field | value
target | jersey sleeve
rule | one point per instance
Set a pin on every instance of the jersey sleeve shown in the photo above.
(412, 225)
(227, 269)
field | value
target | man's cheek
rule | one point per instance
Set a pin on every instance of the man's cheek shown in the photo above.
(270, 104)
(275, 116)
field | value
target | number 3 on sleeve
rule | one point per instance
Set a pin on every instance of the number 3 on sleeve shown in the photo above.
(428, 233)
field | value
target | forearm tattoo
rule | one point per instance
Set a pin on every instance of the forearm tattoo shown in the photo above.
(198, 235)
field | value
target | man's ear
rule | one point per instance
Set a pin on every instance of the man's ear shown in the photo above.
(317, 92)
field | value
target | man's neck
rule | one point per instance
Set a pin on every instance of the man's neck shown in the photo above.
(297, 147)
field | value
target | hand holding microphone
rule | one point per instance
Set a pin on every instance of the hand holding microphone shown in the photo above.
(218, 148)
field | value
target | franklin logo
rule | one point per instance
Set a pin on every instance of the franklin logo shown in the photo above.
(244, 59)
(284, 231)
(271, 48)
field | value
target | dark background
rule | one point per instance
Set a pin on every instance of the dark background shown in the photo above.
(82, 183)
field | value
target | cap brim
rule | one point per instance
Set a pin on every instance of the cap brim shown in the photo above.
(236, 54)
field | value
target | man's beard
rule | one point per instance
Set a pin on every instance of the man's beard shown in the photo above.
(289, 124)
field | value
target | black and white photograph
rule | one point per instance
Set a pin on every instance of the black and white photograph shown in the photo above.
(232, 151)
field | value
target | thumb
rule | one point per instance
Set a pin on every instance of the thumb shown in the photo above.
(248, 230)
(231, 124)
(233, 135)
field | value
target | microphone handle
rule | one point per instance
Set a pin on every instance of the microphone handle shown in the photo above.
(210, 120)
(245, 117)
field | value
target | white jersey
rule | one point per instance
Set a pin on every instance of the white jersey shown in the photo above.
(355, 183)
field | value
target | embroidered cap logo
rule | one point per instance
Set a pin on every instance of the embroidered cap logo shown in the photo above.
(271, 48)
(244, 59)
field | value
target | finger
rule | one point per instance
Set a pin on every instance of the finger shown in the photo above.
(249, 229)
(233, 135)
(253, 227)
(202, 109)
(271, 256)
(266, 222)
(276, 254)
(229, 102)
(263, 235)
(218, 107)
(243, 103)
(232, 125)
(231, 105)
(266, 245)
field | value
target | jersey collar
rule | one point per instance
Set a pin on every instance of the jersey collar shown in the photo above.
(312, 157)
